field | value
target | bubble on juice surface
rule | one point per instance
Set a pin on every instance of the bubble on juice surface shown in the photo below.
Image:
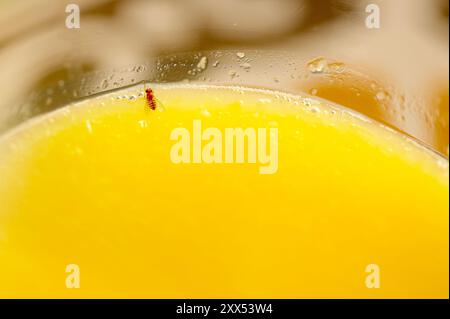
(204, 112)
(265, 100)
(240, 55)
(442, 163)
(143, 123)
(314, 109)
(89, 126)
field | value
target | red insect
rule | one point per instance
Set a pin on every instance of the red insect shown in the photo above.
(151, 100)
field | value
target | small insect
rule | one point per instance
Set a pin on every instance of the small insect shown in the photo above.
(151, 100)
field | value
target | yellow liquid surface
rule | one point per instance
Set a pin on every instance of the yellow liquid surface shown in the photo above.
(93, 184)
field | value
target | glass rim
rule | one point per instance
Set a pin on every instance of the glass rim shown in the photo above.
(246, 68)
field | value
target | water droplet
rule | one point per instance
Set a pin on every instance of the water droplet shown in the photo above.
(321, 65)
(216, 64)
(246, 66)
(314, 91)
(201, 65)
(317, 65)
(381, 96)
(140, 68)
(232, 74)
(337, 67)
(105, 84)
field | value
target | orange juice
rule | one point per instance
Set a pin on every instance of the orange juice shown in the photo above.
(107, 190)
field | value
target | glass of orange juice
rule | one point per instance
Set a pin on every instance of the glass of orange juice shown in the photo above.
(234, 186)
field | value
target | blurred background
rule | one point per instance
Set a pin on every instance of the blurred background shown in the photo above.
(397, 73)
